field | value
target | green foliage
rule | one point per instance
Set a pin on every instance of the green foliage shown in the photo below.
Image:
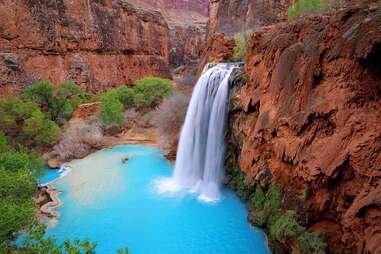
(303, 6)
(126, 96)
(26, 123)
(58, 101)
(285, 227)
(273, 202)
(149, 91)
(241, 45)
(35, 243)
(281, 224)
(16, 204)
(42, 130)
(310, 243)
(3, 143)
(111, 111)
(258, 198)
(14, 160)
(13, 111)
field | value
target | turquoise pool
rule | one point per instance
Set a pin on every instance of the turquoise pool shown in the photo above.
(116, 205)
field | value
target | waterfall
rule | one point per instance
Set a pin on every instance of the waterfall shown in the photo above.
(200, 154)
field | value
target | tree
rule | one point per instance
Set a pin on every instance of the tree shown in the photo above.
(40, 129)
(151, 90)
(111, 111)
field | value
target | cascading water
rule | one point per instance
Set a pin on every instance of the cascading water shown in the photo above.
(200, 154)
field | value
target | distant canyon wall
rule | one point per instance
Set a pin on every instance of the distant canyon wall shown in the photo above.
(97, 43)
(232, 16)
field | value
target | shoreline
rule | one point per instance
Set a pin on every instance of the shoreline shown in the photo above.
(125, 138)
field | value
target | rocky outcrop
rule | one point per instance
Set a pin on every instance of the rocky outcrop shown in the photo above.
(232, 16)
(219, 48)
(86, 111)
(94, 43)
(310, 114)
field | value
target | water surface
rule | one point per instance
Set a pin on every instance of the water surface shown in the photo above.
(116, 205)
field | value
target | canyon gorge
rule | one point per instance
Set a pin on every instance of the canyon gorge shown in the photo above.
(304, 110)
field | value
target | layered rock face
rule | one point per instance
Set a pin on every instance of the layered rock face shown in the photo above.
(310, 114)
(231, 16)
(187, 21)
(94, 43)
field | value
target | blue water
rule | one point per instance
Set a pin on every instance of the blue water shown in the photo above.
(116, 205)
(48, 176)
(51, 175)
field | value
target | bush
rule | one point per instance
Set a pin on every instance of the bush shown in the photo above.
(273, 202)
(240, 46)
(59, 101)
(149, 91)
(304, 6)
(3, 143)
(126, 96)
(309, 243)
(111, 111)
(13, 112)
(281, 224)
(16, 204)
(26, 123)
(285, 227)
(169, 116)
(258, 198)
(40, 129)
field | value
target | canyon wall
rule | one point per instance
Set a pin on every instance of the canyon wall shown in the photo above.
(94, 43)
(232, 16)
(309, 117)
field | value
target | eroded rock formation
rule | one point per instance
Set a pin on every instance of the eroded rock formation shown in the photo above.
(310, 114)
(94, 43)
(231, 16)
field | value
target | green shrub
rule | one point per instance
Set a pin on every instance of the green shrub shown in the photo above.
(285, 226)
(24, 122)
(273, 202)
(59, 101)
(126, 96)
(303, 6)
(13, 160)
(41, 93)
(16, 204)
(149, 91)
(310, 243)
(258, 198)
(13, 112)
(3, 143)
(241, 45)
(40, 129)
(111, 111)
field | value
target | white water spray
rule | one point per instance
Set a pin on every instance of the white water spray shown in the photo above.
(200, 154)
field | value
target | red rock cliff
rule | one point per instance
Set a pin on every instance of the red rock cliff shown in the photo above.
(231, 16)
(95, 43)
(310, 114)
